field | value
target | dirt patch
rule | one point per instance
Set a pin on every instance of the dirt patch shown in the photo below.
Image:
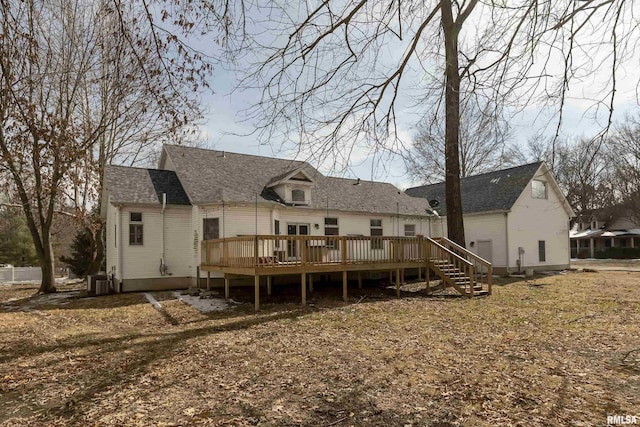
(557, 350)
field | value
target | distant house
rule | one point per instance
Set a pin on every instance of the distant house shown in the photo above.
(516, 218)
(597, 231)
(157, 219)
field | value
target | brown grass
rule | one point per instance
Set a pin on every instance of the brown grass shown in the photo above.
(549, 351)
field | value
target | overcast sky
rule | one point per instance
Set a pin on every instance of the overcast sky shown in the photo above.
(223, 127)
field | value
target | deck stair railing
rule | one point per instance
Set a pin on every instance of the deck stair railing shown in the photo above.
(482, 269)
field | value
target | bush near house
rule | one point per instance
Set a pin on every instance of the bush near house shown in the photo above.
(619, 253)
(81, 253)
(584, 253)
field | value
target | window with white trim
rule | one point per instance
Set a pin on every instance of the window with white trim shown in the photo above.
(136, 231)
(376, 230)
(410, 230)
(297, 195)
(210, 228)
(331, 227)
(538, 189)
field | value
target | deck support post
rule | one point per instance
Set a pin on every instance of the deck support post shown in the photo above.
(345, 297)
(427, 268)
(256, 280)
(303, 287)
(310, 282)
(269, 285)
(359, 280)
(208, 280)
(226, 287)
(398, 282)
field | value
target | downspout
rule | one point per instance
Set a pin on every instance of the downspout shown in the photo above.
(120, 248)
(163, 266)
(506, 232)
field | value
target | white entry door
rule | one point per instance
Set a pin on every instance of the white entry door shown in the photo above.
(485, 250)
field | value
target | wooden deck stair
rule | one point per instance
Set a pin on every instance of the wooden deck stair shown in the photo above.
(459, 268)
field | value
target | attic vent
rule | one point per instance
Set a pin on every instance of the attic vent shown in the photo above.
(495, 180)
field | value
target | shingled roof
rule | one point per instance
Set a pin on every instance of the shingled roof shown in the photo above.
(492, 191)
(146, 186)
(211, 176)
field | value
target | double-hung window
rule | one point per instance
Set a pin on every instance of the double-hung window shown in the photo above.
(135, 228)
(376, 231)
(210, 228)
(331, 229)
(410, 230)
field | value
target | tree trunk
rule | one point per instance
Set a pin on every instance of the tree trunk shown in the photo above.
(97, 243)
(453, 197)
(45, 255)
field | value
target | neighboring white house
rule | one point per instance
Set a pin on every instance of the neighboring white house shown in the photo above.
(157, 218)
(516, 218)
(596, 232)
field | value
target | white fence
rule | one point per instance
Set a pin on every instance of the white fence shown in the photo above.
(20, 274)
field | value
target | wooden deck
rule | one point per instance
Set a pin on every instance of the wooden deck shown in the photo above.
(269, 255)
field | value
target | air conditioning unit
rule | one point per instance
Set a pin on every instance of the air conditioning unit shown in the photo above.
(102, 287)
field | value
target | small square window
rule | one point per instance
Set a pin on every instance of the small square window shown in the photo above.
(409, 230)
(135, 216)
(538, 189)
(298, 195)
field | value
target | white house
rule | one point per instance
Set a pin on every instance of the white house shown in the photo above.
(608, 232)
(516, 218)
(157, 218)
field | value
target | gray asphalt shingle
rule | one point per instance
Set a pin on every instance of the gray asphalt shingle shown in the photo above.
(137, 185)
(492, 191)
(210, 176)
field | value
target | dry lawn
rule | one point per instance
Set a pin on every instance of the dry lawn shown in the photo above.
(550, 351)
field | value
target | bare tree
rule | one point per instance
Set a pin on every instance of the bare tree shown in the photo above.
(42, 64)
(132, 93)
(484, 141)
(583, 172)
(582, 168)
(337, 75)
(81, 87)
(624, 158)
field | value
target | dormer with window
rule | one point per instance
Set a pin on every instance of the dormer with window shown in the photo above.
(294, 188)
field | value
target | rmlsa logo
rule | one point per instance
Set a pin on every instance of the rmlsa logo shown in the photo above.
(621, 419)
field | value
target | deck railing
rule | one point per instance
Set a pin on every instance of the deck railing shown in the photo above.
(482, 269)
(456, 266)
(285, 250)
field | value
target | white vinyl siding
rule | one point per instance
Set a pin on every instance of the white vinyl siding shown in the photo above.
(533, 219)
(143, 261)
